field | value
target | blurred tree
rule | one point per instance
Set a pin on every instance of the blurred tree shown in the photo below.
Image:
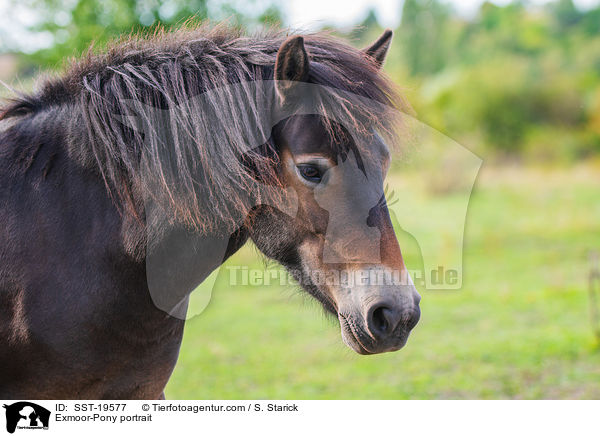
(423, 30)
(590, 22)
(514, 79)
(565, 14)
(74, 24)
(368, 28)
(367, 31)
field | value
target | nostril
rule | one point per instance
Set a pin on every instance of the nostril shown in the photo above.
(383, 320)
(380, 319)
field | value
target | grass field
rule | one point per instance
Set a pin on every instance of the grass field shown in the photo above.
(519, 327)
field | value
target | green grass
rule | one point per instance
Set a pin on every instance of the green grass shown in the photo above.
(519, 327)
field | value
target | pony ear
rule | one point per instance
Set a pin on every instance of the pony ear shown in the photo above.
(378, 50)
(291, 65)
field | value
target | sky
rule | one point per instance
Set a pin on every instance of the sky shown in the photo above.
(299, 14)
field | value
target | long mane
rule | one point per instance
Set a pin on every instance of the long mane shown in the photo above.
(194, 78)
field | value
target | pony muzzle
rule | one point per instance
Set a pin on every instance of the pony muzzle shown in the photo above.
(376, 318)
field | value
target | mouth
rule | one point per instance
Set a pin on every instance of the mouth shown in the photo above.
(363, 343)
(353, 339)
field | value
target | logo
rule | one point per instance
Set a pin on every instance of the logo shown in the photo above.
(26, 415)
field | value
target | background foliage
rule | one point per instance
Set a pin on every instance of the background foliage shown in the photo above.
(513, 81)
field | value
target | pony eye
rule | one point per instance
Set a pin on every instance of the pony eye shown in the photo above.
(310, 173)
